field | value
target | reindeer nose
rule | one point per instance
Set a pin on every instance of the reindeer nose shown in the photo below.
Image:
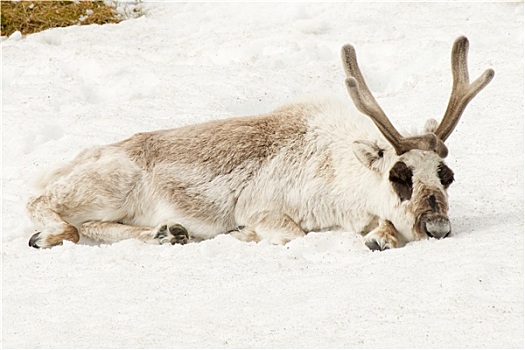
(437, 227)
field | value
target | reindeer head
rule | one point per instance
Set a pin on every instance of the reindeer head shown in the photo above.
(415, 170)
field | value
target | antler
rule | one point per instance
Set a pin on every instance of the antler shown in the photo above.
(366, 103)
(462, 90)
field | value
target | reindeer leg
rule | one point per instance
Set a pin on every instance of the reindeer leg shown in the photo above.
(43, 211)
(245, 234)
(170, 232)
(56, 229)
(276, 228)
(382, 237)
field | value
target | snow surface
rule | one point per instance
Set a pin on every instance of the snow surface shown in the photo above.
(70, 88)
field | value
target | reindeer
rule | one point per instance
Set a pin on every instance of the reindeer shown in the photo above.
(315, 165)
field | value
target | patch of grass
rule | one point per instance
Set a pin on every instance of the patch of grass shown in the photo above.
(34, 16)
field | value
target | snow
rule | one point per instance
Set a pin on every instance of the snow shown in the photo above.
(70, 88)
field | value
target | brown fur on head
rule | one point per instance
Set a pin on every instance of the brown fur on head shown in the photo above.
(425, 181)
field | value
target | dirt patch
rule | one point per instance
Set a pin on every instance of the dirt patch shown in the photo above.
(34, 16)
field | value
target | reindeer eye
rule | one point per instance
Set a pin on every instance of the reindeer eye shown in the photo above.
(447, 182)
(380, 153)
(446, 176)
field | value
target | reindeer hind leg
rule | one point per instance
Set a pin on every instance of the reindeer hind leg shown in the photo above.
(96, 190)
(56, 228)
(44, 211)
(170, 232)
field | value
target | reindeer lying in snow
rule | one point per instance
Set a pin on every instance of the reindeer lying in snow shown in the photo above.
(312, 166)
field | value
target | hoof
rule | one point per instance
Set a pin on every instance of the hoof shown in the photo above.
(172, 234)
(373, 246)
(180, 233)
(33, 241)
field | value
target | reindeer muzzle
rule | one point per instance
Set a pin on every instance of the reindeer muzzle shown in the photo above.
(436, 226)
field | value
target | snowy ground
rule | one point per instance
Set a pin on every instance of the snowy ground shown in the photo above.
(68, 89)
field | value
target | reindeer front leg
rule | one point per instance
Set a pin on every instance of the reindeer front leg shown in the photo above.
(277, 228)
(383, 237)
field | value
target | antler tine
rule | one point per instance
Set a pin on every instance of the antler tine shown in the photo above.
(352, 70)
(462, 91)
(363, 98)
(367, 104)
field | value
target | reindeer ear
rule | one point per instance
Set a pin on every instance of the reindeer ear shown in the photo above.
(431, 126)
(368, 153)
